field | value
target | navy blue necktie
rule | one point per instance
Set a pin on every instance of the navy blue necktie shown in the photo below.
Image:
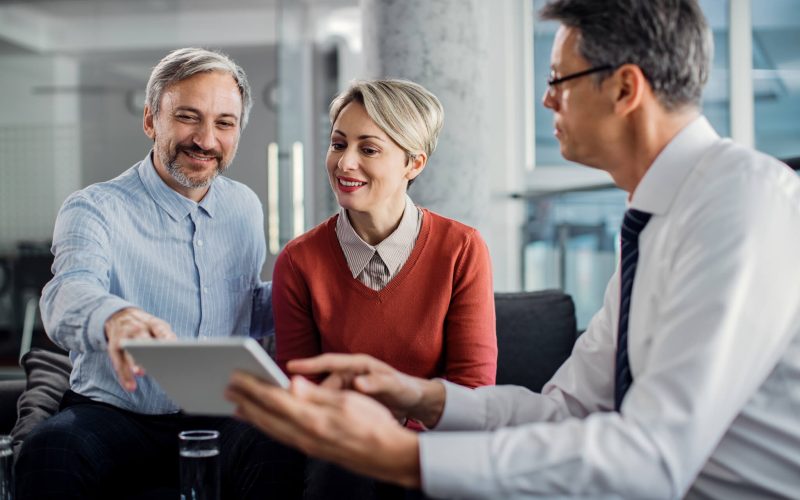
(632, 225)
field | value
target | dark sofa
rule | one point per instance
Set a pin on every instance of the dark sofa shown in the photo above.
(10, 391)
(535, 334)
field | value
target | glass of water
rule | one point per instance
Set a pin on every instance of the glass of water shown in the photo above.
(199, 465)
(6, 469)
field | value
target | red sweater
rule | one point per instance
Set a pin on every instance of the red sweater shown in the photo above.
(435, 318)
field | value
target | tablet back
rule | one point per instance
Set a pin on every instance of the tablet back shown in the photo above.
(195, 373)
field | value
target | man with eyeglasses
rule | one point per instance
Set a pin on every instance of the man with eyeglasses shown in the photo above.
(686, 382)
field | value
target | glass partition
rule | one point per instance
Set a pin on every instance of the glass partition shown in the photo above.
(571, 235)
(318, 52)
(776, 76)
(570, 242)
(73, 75)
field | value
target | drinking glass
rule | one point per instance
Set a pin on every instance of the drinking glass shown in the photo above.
(6, 469)
(199, 465)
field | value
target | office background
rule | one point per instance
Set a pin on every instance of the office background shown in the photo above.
(73, 73)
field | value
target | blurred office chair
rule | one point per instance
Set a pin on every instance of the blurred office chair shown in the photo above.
(31, 308)
(31, 273)
(5, 275)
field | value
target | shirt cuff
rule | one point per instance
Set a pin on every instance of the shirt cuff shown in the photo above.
(96, 325)
(457, 465)
(464, 409)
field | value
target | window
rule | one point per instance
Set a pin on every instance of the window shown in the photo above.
(571, 242)
(571, 236)
(776, 77)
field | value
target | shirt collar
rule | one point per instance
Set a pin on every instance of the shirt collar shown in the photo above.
(210, 200)
(172, 202)
(393, 249)
(672, 166)
(360, 252)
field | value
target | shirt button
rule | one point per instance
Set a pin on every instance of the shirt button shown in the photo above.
(205, 289)
(199, 243)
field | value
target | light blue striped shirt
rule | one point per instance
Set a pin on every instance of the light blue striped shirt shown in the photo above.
(134, 241)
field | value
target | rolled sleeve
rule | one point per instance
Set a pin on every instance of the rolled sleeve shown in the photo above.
(96, 325)
(76, 303)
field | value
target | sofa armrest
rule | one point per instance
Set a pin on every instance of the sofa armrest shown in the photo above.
(10, 390)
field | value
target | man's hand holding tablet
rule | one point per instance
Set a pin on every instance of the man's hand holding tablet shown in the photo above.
(195, 373)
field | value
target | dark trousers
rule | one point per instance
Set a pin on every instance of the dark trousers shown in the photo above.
(327, 481)
(95, 450)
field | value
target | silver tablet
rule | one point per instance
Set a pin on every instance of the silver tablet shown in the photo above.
(195, 373)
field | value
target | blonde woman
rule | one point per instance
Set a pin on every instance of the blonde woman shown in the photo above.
(383, 276)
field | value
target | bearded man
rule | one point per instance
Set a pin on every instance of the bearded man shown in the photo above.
(169, 249)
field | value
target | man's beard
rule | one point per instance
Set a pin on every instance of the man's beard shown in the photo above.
(176, 170)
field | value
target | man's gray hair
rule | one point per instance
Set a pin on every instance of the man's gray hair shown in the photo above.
(181, 64)
(668, 39)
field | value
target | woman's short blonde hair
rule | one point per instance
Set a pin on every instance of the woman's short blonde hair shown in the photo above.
(407, 112)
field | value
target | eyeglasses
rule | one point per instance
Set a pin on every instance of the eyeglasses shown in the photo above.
(553, 82)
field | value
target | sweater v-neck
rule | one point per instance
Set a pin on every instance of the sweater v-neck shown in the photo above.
(406, 269)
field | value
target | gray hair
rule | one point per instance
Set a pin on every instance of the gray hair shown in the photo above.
(408, 113)
(181, 64)
(669, 40)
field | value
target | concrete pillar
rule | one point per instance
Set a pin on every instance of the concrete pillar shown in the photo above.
(468, 53)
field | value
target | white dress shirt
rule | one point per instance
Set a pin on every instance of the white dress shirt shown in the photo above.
(713, 345)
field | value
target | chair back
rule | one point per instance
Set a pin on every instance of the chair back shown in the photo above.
(794, 163)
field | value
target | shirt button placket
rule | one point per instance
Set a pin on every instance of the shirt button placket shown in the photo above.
(201, 271)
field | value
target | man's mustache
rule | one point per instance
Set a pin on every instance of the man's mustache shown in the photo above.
(194, 148)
